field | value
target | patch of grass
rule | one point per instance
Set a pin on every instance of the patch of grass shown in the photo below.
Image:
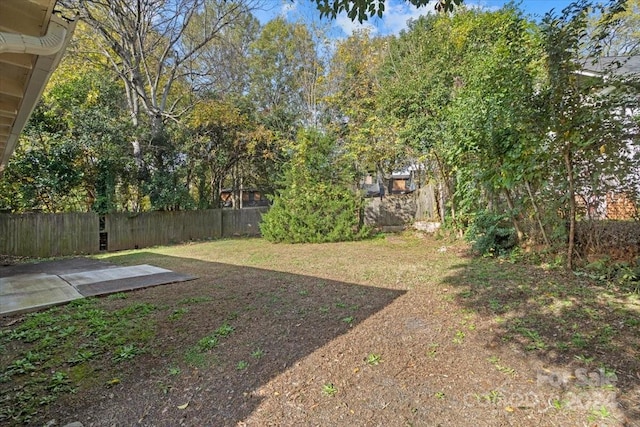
(578, 340)
(81, 356)
(174, 371)
(257, 353)
(558, 404)
(329, 389)
(348, 320)
(116, 296)
(601, 413)
(224, 331)
(126, 352)
(178, 314)
(458, 338)
(587, 360)
(208, 342)
(535, 340)
(57, 345)
(194, 357)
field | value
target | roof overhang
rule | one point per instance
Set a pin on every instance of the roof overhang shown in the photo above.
(32, 42)
(615, 66)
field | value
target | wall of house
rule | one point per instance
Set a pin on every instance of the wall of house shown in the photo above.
(47, 235)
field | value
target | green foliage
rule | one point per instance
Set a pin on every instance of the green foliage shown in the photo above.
(491, 234)
(316, 205)
(364, 9)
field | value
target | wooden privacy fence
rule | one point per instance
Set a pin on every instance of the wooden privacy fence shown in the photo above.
(45, 235)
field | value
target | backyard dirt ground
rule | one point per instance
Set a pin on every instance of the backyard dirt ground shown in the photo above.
(401, 330)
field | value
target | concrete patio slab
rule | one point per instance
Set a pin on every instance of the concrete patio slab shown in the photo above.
(95, 276)
(131, 283)
(29, 287)
(29, 292)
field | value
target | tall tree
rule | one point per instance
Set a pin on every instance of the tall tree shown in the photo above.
(584, 116)
(284, 70)
(149, 46)
(354, 110)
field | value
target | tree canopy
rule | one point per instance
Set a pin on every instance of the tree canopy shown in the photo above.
(365, 9)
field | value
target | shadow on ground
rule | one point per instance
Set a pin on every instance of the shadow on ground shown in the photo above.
(212, 343)
(586, 334)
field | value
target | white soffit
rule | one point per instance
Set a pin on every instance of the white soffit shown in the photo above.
(32, 42)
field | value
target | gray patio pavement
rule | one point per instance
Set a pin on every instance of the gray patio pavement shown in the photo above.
(30, 287)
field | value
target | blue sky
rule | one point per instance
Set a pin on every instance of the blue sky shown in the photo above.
(396, 14)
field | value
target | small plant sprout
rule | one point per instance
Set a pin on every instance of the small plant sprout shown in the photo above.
(374, 359)
(208, 342)
(257, 353)
(558, 404)
(459, 337)
(601, 413)
(224, 330)
(432, 350)
(439, 395)
(126, 352)
(500, 367)
(348, 320)
(329, 389)
(242, 365)
(174, 370)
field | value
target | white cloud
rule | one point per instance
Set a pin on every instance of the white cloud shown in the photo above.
(349, 27)
(288, 8)
(394, 19)
(398, 13)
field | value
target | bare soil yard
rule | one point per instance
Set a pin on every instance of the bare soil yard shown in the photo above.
(404, 330)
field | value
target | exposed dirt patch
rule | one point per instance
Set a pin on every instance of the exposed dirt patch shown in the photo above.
(392, 332)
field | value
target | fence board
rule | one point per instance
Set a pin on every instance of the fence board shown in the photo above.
(242, 222)
(130, 231)
(45, 235)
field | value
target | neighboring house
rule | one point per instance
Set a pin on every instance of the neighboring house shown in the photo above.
(400, 182)
(249, 198)
(32, 42)
(617, 205)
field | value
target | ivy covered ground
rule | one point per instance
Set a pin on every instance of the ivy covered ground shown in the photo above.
(401, 330)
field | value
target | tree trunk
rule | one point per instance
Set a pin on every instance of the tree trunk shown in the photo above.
(568, 163)
(536, 212)
(512, 215)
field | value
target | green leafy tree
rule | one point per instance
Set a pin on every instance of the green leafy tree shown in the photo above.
(284, 69)
(354, 111)
(317, 203)
(221, 138)
(72, 155)
(585, 127)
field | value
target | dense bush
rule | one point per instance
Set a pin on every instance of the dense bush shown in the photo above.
(491, 233)
(316, 213)
(316, 204)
